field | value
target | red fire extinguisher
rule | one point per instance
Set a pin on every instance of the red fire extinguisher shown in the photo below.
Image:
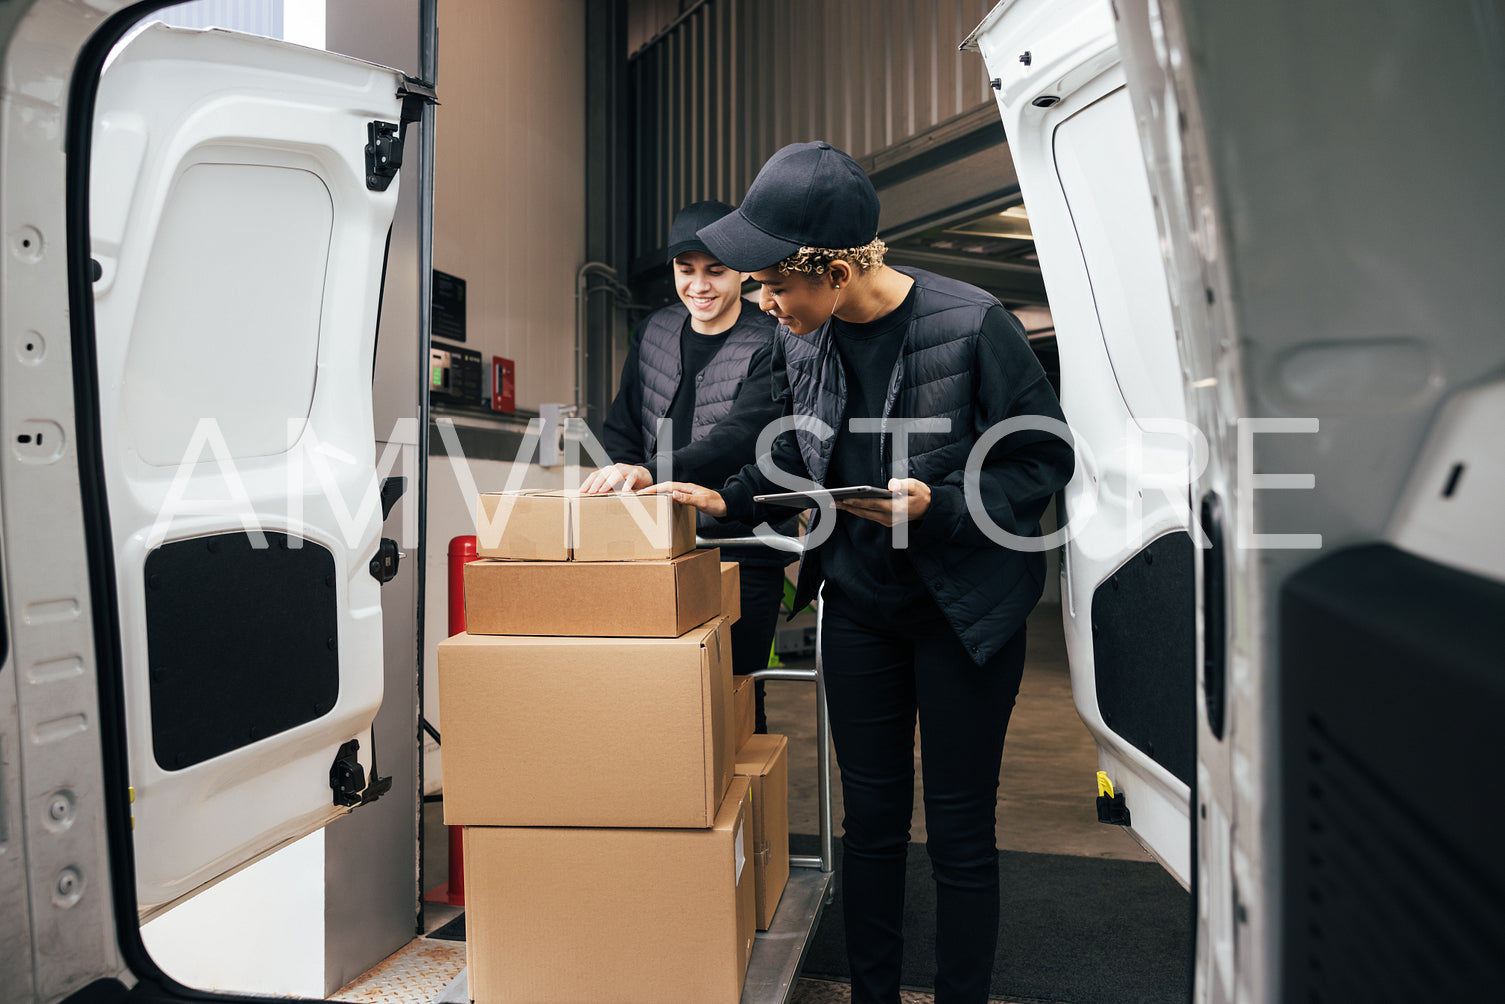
(461, 551)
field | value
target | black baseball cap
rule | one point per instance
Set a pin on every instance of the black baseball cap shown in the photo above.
(806, 195)
(682, 237)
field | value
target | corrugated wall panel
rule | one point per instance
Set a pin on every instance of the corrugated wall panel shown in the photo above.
(646, 18)
(733, 80)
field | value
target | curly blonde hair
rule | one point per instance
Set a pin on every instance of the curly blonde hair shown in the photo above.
(815, 261)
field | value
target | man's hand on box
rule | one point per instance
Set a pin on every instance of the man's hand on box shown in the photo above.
(704, 499)
(617, 478)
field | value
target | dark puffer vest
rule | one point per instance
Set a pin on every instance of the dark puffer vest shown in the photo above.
(659, 372)
(984, 592)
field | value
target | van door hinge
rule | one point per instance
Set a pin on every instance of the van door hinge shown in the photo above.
(347, 778)
(415, 95)
(384, 139)
(392, 489)
(383, 154)
(346, 775)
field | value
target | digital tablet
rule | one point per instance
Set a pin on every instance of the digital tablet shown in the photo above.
(811, 499)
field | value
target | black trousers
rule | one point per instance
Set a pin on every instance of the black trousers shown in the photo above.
(752, 635)
(878, 680)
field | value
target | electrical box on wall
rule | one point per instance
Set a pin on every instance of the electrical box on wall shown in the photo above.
(455, 374)
(438, 372)
(503, 384)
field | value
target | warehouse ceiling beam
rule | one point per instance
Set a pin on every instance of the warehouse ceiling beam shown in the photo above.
(1009, 281)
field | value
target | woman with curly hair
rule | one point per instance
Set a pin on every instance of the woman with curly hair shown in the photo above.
(895, 377)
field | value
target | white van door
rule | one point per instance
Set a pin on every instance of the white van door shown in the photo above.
(1349, 380)
(241, 193)
(1129, 561)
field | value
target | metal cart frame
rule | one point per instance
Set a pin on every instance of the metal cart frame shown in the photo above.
(778, 953)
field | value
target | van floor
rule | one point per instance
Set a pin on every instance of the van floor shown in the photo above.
(1046, 804)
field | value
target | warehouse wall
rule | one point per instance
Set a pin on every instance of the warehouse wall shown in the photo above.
(510, 219)
(509, 182)
(737, 79)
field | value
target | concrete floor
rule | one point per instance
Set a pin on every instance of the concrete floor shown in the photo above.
(1047, 788)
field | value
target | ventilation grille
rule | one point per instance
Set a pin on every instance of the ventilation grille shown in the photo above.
(1391, 911)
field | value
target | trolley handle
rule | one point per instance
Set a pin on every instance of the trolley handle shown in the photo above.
(774, 542)
(826, 857)
(825, 860)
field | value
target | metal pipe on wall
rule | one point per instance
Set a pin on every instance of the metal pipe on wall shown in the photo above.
(622, 297)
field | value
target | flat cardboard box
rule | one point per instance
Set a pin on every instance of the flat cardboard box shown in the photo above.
(744, 708)
(764, 760)
(624, 527)
(629, 916)
(731, 590)
(642, 599)
(586, 731)
(523, 526)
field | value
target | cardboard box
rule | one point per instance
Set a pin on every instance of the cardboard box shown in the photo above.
(764, 761)
(586, 731)
(622, 527)
(744, 708)
(564, 525)
(629, 916)
(661, 599)
(731, 590)
(524, 526)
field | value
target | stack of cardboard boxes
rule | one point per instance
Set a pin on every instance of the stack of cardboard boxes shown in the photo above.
(590, 749)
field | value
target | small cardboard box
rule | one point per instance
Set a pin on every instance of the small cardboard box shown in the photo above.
(586, 731)
(764, 761)
(564, 525)
(731, 590)
(744, 708)
(630, 916)
(523, 525)
(662, 599)
(625, 527)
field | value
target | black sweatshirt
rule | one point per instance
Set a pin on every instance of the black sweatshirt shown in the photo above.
(1015, 482)
(726, 448)
(859, 560)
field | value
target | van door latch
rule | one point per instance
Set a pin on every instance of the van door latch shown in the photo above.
(384, 561)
